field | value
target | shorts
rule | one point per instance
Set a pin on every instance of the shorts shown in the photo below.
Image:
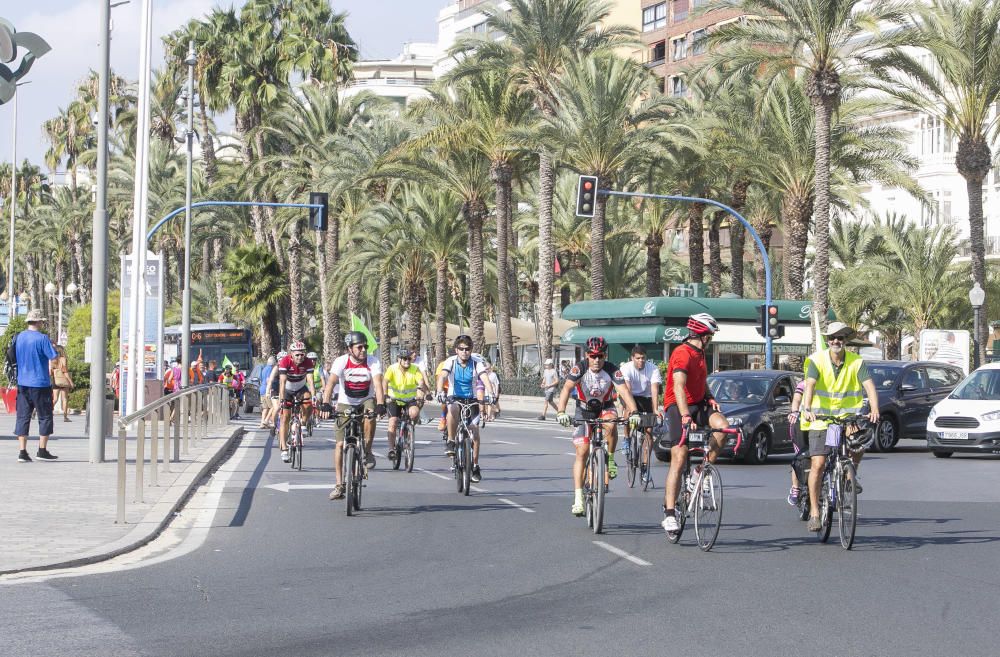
(581, 436)
(644, 404)
(341, 423)
(395, 407)
(700, 413)
(291, 395)
(817, 443)
(29, 400)
(550, 395)
(474, 410)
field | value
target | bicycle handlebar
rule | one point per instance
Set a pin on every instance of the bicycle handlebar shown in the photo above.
(732, 431)
(850, 418)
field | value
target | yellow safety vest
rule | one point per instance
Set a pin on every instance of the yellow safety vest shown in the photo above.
(403, 384)
(840, 395)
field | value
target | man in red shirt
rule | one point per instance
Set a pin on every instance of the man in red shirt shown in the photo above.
(689, 403)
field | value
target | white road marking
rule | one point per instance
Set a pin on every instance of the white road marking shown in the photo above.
(504, 442)
(622, 553)
(478, 489)
(286, 486)
(570, 453)
(434, 474)
(516, 505)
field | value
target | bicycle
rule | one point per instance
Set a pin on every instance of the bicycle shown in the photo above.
(838, 492)
(405, 441)
(355, 470)
(639, 452)
(701, 491)
(595, 470)
(294, 442)
(462, 459)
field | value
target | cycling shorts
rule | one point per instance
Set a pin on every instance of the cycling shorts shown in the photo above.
(292, 395)
(581, 435)
(395, 407)
(474, 410)
(644, 404)
(700, 413)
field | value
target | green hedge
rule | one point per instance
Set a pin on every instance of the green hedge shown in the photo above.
(16, 326)
(78, 398)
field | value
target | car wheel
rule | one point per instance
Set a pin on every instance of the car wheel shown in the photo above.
(759, 447)
(942, 455)
(886, 435)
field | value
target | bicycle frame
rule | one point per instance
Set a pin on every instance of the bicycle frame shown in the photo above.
(462, 459)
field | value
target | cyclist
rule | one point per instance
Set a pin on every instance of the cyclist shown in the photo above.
(593, 379)
(265, 399)
(294, 381)
(835, 381)
(400, 384)
(689, 403)
(318, 375)
(495, 380)
(360, 376)
(644, 381)
(460, 374)
(272, 390)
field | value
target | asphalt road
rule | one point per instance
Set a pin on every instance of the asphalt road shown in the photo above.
(280, 570)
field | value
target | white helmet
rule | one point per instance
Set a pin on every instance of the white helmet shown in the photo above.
(702, 323)
(312, 355)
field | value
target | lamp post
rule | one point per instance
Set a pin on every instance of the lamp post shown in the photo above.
(50, 289)
(977, 297)
(186, 298)
(13, 198)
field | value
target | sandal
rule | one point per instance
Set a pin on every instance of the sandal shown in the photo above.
(814, 524)
(337, 492)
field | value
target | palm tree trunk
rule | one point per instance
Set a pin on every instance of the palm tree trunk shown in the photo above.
(795, 211)
(208, 147)
(973, 160)
(512, 282)
(715, 252)
(764, 230)
(354, 299)
(416, 300)
(440, 297)
(474, 212)
(597, 258)
(384, 330)
(737, 237)
(696, 242)
(546, 255)
(295, 279)
(654, 264)
(501, 175)
(331, 317)
(81, 288)
(220, 294)
(823, 107)
(243, 124)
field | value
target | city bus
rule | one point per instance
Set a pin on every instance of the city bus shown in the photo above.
(214, 342)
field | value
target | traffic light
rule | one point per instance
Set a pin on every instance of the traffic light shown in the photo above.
(586, 195)
(318, 217)
(769, 324)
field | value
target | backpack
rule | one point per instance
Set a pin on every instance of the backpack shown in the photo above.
(10, 362)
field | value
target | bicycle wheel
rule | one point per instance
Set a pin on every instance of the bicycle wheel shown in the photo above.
(681, 507)
(408, 446)
(803, 503)
(293, 430)
(600, 458)
(647, 469)
(349, 474)
(825, 510)
(457, 463)
(467, 463)
(398, 458)
(708, 507)
(632, 457)
(588, 490)
(359, 477)
(847, 507)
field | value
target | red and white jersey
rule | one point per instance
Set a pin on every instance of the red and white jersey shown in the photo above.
(295, 373)
(355, 379)
(599, 385)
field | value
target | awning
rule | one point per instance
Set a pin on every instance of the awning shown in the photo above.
(627, 335)
(731, 338)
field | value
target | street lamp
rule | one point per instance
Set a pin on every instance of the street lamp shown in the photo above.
(977, 297)
(50, 289)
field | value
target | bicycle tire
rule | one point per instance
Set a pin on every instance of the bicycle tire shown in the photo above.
(647, 454)
(290, 441)
(588, 492)
(631, 458)
(847, 506)
(409, 446)
(601, 464)
(467, 464)
(297, 458)
(457, 462)
(349, 456)
(825, 513)
(680, 504)
(708, 508)
(359, 477)
(398, 458)
(803, 503)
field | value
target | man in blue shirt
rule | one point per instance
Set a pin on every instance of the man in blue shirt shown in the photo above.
(34, 387)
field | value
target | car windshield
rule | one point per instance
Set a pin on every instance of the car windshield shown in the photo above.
(883, 377)
(981, 385)
(737, 389)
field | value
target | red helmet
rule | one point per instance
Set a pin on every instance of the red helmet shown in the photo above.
(597, 345)
(702, 324)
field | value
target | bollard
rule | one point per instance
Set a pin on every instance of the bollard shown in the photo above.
(154, 438)
(186, 420)
(140, 458)
(176, 431)
(121, 475)
(161, 417)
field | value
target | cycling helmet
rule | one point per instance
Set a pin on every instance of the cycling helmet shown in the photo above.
(312, 355)
(282, 354)
(702, 324)
(463, 339)
(355, 337)
(861, 439)
(297, 345)
(596, 345)
(406, 350)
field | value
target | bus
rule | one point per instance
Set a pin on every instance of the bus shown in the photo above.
(213, 342)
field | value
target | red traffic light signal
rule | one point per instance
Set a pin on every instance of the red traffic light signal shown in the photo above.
(586, 196)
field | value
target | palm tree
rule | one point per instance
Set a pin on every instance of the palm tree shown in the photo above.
(539, 38)
(836, 44)
(257, 286)
(958, 88)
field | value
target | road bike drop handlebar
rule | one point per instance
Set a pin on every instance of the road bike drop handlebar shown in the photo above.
(731, 431)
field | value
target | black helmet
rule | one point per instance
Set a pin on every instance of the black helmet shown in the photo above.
(355, 337)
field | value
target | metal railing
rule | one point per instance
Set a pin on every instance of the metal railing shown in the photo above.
(186, 416)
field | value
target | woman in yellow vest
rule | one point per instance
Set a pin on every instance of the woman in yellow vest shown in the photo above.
(836, 382)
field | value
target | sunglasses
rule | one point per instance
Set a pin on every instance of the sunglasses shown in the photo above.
(596, 356)
(361, 346)
(463, 348)
(298, 355)
(405, 358)
(835, 338)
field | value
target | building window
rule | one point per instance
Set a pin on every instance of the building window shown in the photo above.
(658, 52)
(680, 10)
(479, 28)
(935, 138)
(699, 42)
(655, 17)
(680, 47)
(678, 85)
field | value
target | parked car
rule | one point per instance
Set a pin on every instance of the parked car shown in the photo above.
(251, 390)
(968, 419)
(907, 391)
(760, 401)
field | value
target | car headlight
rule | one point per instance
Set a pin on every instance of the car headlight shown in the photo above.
(734, 421)
(991, 416)
(933, 413)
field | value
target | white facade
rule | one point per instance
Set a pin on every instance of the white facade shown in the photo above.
(402, 79)
(460, 17)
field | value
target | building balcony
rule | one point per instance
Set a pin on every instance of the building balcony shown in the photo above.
(992, 247)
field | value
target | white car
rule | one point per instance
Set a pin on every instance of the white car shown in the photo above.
(968, 420)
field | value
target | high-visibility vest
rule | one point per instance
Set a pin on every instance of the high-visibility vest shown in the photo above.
(840, 395)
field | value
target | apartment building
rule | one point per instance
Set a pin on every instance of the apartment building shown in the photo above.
(402, 79)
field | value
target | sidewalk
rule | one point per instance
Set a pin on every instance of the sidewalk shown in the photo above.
(61, 513)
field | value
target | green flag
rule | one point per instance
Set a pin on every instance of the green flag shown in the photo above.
(226, 362)
(358, 325)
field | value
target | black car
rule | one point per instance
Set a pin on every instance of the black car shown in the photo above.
(251, 391)
(907, 391)
(758, 400)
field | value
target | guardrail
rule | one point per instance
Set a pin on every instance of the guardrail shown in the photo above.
(190, 412)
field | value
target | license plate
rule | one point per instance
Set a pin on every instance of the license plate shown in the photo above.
(954, 435)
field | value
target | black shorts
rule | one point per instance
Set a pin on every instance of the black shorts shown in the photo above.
(474, 411)
(644, 404)
(292, 395)
(700, 413)
(394, 407)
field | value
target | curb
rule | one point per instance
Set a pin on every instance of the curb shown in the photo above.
(156, 519)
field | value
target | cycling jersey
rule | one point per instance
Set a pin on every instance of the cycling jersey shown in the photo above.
(355, 379)
(403, 384)
(691, 361)
(295, 373)
(599, 385)
(462, 379)
(639, 381)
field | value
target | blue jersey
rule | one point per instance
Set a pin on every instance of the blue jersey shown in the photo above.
(462, 378)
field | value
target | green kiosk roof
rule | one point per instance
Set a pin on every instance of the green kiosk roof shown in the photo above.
(679, 308)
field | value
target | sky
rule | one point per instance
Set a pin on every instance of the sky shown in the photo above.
(380, 27)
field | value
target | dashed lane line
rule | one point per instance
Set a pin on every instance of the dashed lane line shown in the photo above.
(622, 553)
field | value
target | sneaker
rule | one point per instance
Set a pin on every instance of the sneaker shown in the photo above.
(370, 460)
(392, 455)
(577, 509)
(476, 476)
(814, 524)
(670, 524)
(612, 467)
(793, 495)
(23, 457)
(540, 417)
(285, 456)
(45, 455)
(338, 492)
(449, 449)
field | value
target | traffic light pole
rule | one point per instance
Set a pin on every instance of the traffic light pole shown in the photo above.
(768, 343)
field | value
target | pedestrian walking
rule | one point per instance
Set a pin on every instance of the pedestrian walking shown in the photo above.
(172, 377)
(62, 382)
(33, 352)
(550, 384)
